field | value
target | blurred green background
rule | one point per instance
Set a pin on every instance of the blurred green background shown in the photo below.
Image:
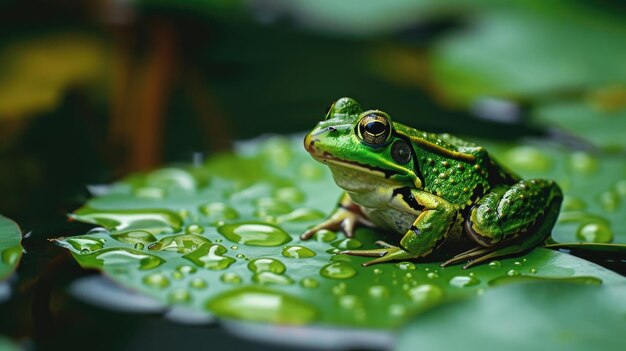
(93, 90)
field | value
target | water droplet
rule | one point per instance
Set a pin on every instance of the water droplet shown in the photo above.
(462, 281)
(340, 289)
(583, 163)
(156, 280)
(210, 256)
(84, 244)
(217, 212)
(179, 295)
(171, 179)
(427, 294)
(135, 236)
(240, 256)
(340, 258)
(186, 269)
(231, 278)
(533, 270)
(258, 304)
(347, 244)
(573, 203)
(155, 221)
(338, 270)
(198, 283)
(194, 229)
(596, 232)
(149, 192)
(517, 263)
(512, 273)
(432, 275)
(325, 236)
(533, 278)
(609, 201)
(495, 264)
(297, 251)
(128, 257)
(234, 247)
(139, 246)
(333, 251)
(349, 302)
(397, 310)
(290, 195)
(182, 243)
(406, 266)
(270, 207)
(11, 255)
(309, 283)
(254, 234)
(267, 277)
(176, 275)
(266, 265)
(377, 271)
(301, 215)
(378, 291)
(528, 158)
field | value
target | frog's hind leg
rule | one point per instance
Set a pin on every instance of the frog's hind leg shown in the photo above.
(511, 220)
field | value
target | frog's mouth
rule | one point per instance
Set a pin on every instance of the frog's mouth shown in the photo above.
(326, 157)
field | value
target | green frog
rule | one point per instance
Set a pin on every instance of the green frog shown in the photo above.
(429, 188)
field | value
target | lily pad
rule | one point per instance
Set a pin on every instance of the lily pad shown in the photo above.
(599, 123)
(231, 247)
(537, 316)
(530, 53)
(10, 246)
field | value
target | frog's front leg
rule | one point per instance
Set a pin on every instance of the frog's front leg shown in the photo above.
(346, 217)
(435, 217)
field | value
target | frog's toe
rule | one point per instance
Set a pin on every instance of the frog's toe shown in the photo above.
(383, 244)
(386, 254)
(366, 253)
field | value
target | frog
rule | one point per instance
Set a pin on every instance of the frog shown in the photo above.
(426, 189)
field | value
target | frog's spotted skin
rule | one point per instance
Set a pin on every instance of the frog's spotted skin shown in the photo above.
(426, 187)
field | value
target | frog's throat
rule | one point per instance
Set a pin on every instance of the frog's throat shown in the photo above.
(373, 170)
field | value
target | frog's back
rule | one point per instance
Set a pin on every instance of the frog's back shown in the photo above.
(455, 169)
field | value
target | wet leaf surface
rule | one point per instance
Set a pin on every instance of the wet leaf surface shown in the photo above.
(542, 316)
(223, 238)
(10, 246)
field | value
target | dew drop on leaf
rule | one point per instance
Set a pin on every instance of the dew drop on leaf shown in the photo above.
(338, 270)
(210, 256)
(262, 305)
(254, 234)
(297, 251)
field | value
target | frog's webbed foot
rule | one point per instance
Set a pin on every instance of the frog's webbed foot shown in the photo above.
(343, 219)
(386, 254)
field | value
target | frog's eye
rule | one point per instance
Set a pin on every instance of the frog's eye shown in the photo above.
(374, 129)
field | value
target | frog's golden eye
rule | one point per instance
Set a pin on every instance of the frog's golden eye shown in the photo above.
(374, 129)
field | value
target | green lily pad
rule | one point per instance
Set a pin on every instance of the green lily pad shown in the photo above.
(594, 206)
(602, 126)
(10, 246)
(531, 53)
(231, 246)
(537, 316)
